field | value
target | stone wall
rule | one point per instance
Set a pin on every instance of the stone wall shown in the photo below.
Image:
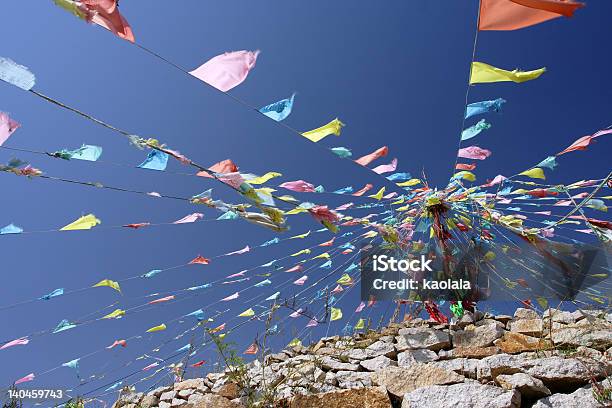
(560, 359)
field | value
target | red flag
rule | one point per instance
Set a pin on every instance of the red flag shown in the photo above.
(505, 15)
(199, 260)
(199, 363)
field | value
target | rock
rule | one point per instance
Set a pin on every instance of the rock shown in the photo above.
(213, 401)
(370, 397)
(531, 327)
(184, 394)
(195, 398)
(330, 363)
(168, 396)
(464, 366)
(159, 391)
(474, 352)
(422, 337)
(517, 343)
(490, 367)
(130, 398)
(560, 316)
(229, 391)
(409, 357)
(522, 313)
(480, 336)
(177, 402)
(595, 336)
(352, 379)
(528, 386)
(149, 401)
(560, 373)
(503, 318)
(380, 348)
(399, 381)
(581, 398)
(377, 363)
(468, 395)
(187, 384)
(164, 404)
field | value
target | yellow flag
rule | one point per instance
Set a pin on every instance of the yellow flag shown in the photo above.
(288, 198)
(360, 324)
(483, 73)
(115, 315)
(336, 314)
(466, 175)
(84, 223)
(247, 313)
(370, 234)
(542, 302)
(536, 172)
(345, 280)
(301, 235)
(294, 342)
(378, 196)
(266, 177)
(296, 210)
(409, 183)
(302, 252)
(157, 328)
(324, 255)
(332, 128)
(109, 283)
(400, 201)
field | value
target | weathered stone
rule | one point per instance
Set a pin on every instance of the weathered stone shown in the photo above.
(581, 398)
(595, 336)
(164, 404)
(330, 363)
(560, 316)
(522, 313)
(558, 372)
(159, 391)
(149, 401)
(531, 327)
(464, 366)
(399, 381)
(469, 395)
(195, 398)
(528, 386)
(410, 357)
(512, 343)
(377, 363)
(187, 384)
(126, 399)
(229, 391)
(352, 379)
(213, 401)
(177, 402)
(418, 338)
(481, 336)
(370, 397)
(474, 352)
(503, 318)
(490, 367)
(380, 348)
(168, 395)
(186, 393)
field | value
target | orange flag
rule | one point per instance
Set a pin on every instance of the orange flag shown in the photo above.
(505, 15)
(376, 154)
(223, 167)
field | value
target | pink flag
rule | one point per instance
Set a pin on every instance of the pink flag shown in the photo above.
(121, 343)
(161, 300)
(223, 167)
(390, 195)
(18, 342)
(234, 179)
(360, 307)
(253, 349)
(496, 180)
(7, 127)
(322, 213)
(364, 190)
(465, 166)
(369, 158)
(297, 313)
(240, 251)
(150, 366)
(312, 323)
(299, 186)
(296, 268)
(386, 168)
(584, 142)
(231, 297)
(189, 218)
(474, 152)
(301, 281)
(106, 14)
(337, 289)
(235, 275)
(228, 70)
(27, 378)
(345, 206)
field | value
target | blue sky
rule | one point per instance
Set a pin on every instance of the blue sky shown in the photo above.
(395, 74)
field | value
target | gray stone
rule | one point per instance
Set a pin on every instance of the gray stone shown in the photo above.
(469, 395)
(177, 402)
(149, 401)
(213, 401)
(480, 336)
(410, 357)
(522, 313)
(377, 363)
(399, 381)
(558, 372)
(581, 398)
(465, 366)
(530, 327)
(595, 336)
(187, 384)
(528, 386)
(418, 338)
(168, 395)
(330, 363)
(352, 379)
